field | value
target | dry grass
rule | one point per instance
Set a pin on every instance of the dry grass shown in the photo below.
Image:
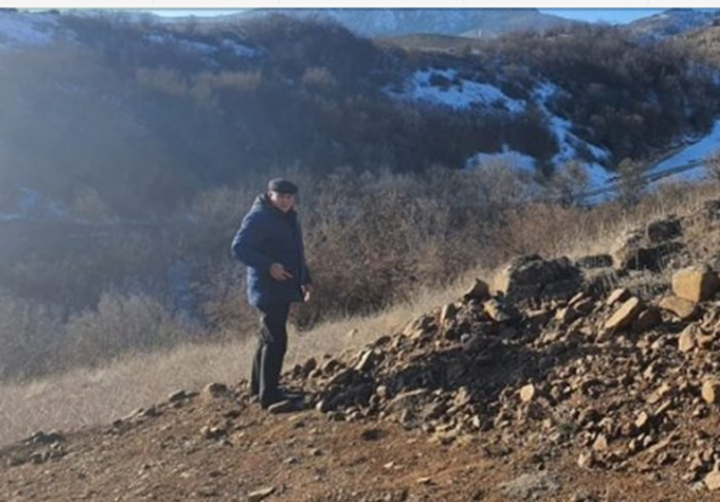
(93, 396)
(86, 397)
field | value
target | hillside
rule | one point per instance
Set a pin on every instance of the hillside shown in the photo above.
(130, 149)
(266, 94)
(398, 22)
(705, 43)
(672, 22)
(536, 389)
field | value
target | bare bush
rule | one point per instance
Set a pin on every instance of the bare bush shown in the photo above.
(568, 182)
(88, 205)
(163, 80)
(123, 323)
(372, 240)
(30, 335)
(318, 78)
(631, 181)
(713, 165)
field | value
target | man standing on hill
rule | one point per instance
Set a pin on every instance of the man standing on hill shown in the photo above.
(270, 243)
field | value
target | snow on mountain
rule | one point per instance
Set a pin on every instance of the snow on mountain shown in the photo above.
(443, 87)
(568, 142)
(194, 46)
(32, 205)
(698, 151)
(18, 28)
(507, 157)
(241, 51)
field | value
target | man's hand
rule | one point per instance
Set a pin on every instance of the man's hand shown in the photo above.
(278, 272)
(307, 290)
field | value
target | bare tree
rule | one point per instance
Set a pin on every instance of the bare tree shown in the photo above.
(631, 181)
(713, 164)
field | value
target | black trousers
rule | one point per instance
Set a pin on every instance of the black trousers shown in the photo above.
(272, 345)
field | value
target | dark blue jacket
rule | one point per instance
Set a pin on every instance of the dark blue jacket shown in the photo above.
(267, 235)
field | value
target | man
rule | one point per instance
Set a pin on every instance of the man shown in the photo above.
(270, 243)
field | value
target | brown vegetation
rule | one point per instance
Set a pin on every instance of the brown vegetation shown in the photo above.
(372, 241)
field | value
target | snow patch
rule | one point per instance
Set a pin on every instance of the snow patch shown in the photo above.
(239, 50)
(561, 128)
(443, 87)
(508, 157)
(30, 29)
(697, 152)
(197, 47)
(187, 45)
(203, 48)
(568, 142)
(31, 206)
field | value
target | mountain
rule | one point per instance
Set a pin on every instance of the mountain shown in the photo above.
(672, 22)
(396, 22)
(271, 91)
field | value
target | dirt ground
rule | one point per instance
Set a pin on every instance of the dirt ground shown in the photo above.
(223, 447)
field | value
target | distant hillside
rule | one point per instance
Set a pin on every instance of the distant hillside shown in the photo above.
(672, 22)
(704, 44)
(100, 110)
(397, 22)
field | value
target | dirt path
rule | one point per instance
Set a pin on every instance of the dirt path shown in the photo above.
(225, 448)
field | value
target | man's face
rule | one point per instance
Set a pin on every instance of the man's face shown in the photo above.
(283, 201)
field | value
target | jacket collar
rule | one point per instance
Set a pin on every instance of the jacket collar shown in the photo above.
(262, 203)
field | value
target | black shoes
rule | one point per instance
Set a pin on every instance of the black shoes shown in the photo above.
(281, 396)
(286, 406)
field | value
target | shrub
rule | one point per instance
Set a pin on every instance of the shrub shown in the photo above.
(124, 323)
(631, 181)
(31, 336)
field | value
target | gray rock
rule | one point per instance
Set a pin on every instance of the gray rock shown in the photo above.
(533, 279)
(531, 486)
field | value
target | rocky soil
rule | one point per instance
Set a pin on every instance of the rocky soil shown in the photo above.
(558, 386)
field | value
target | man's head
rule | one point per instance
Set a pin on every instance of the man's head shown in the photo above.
(281, 194)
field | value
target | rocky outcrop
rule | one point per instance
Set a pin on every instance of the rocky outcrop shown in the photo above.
(530, 279)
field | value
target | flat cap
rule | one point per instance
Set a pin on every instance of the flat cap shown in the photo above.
(281, 185)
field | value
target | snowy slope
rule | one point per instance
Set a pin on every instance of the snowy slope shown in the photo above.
(443, 87)
(698, 151)
(19, 28)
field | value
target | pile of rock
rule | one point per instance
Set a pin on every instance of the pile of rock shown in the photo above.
(546, 363)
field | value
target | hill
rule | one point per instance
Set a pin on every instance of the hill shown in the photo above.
(534, 390)
(672, 22)
(259, 95)
(399, 22)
